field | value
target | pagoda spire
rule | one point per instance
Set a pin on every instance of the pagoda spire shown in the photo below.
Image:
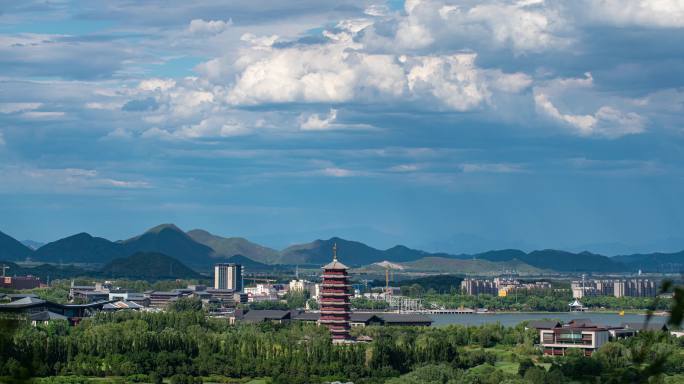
(335, 251)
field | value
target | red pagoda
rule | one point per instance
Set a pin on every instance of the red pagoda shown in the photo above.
(334, 302)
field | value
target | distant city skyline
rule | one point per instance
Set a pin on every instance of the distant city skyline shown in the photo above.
(457, 126)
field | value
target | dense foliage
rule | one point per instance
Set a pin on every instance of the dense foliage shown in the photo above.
(184, 344)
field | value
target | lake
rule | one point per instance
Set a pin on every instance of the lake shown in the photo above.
(511, 319)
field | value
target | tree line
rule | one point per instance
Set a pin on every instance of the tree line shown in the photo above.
(184, 343)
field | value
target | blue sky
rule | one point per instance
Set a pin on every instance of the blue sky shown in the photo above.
(453, 126)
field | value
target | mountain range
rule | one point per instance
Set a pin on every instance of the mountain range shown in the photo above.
(199, 249)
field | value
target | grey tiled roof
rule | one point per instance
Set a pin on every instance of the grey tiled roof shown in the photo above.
(398, 318)
(46, 316)
(543, 324)
(266, 314)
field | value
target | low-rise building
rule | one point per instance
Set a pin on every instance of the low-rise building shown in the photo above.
(19, 282)
(31, 306)
(89, 296)
(556, 340)
(161, 299)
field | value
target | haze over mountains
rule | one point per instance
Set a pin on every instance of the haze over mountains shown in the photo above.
(199, 249)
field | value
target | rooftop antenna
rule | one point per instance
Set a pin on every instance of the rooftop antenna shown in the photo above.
(297, 272)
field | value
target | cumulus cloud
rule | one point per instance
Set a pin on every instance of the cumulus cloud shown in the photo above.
(608, 121)
(645, 13)
(212, 127)
(199, 26)
(338, 72)
(523, 26)
(156, 84)
(315, 123)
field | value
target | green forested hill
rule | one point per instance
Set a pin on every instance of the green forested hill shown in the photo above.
(148, 265)
(79, 248)
(12, 249)
(172, 241)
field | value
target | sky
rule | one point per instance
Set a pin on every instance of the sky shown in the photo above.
(455, 126)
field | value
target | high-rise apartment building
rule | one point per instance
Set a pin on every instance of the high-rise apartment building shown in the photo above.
(228, 276)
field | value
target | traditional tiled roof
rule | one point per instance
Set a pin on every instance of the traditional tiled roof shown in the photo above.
(306, 316)
(46, 316)
(257, 316)
(24, 302)
(17, 296)
(543, 324)
(364, 317)
(335, 265)
(642, 326)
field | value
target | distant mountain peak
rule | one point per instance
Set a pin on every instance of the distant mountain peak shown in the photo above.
(32, 244)
(80, 235)
(161, 227)
(226, 247)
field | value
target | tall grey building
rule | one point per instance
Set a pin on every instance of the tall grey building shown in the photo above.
(228, 276)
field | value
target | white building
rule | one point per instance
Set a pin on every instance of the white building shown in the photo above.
(299, 285)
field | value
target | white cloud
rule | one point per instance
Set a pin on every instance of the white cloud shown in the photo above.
(156, 84)
(607, 121)
(315, 123)
(523, 26)
(491, 168)
(119, 133)
(454, 80)
(337, 172)
(110, 106)
(199, 26)
(583, 123)
(259, 42)
(212, 127)
(43, 115)
(64, 179)
(377, 10)
(18, 107)
(337, 72)
(646, 13)
(405, 168)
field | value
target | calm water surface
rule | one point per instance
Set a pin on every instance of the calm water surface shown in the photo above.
(511, 319)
